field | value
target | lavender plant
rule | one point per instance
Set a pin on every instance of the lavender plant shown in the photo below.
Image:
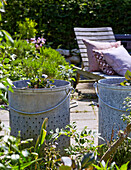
(39, 42)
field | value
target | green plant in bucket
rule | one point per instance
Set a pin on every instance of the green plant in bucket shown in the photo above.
(127, 82)
(41, 82)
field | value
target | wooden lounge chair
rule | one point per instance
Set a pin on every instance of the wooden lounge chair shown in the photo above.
(96, 34)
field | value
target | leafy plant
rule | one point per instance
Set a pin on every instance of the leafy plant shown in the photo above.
(66, 72)
(83, 154)
(127, 104)
(4, 81)
(127, 82)
(4, 35)
(41, 82)
(12, 156)
(23, 60)
(113, 166)
(83, 149)
(20, 154)
(26, 29)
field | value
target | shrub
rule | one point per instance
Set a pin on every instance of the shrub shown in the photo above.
(56, 19)
(26, 29)
(16, 154)
(28, 61)
(20, 154)
(122, 154)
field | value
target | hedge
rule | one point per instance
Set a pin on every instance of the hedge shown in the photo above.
(57, 18)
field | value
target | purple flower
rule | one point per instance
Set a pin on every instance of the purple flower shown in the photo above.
(41, 45)
(43, 40)
(37, 46)
(39, 42)
(33, 40)
(27, 41)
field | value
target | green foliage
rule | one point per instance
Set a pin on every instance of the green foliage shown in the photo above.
(24, 60)
(56, 19)
(122, 154)
(21, 154)
(4, 62)
(4, 35)
(127, 105)
(83, 149)
(113, 166)
(26, 29)
(16, 154)
(12, 156)
(127, 82)
(127, 102)
(66, 72)
(41, 82)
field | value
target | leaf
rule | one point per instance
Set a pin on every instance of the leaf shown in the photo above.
(2, 166)
(2, 10)
(44, 124)
(25, 165)
(15, 157)
(87, 160)
(97, 167)
(63, 167)
(2, 87)
(66, 160)
(7, 36)
(41, 137)
(4, 99)
(124, 166)
(25, 153)
(128, 75)
(123, 83)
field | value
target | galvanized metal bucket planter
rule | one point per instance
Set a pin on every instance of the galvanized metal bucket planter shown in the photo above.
(29, 107)
(111, 96)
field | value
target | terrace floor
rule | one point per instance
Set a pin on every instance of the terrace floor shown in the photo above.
(83, 114)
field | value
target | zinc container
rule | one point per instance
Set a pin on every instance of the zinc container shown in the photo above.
(29, 107)
(111, 97)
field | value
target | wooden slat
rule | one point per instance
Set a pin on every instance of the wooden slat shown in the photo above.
(83, 55)
(93, 33)
(103, 34)
(98, 38)
(85, 59)
(93, 29)
(83, 50)
(80, 42)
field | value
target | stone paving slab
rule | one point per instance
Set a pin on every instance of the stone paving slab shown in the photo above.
(83, 116)
(84, 107)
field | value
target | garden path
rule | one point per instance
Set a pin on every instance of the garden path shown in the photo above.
(83, 114)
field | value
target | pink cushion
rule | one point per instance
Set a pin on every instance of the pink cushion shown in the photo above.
(95, 45)
(103, 65)
(118, 58)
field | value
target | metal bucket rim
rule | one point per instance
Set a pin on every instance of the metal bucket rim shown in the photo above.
(44, 90)
(106, 83)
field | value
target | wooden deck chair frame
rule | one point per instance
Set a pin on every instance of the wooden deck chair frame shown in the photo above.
(103, 34)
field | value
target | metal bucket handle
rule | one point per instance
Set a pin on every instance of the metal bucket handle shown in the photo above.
(112, 107)
(47, 110)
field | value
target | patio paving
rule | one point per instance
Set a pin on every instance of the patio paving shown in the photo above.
(83, 114)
